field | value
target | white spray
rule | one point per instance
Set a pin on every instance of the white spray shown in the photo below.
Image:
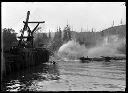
(107, 47)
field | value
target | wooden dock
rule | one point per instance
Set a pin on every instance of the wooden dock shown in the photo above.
(26, 59)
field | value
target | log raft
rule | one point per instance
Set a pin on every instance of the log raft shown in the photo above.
(102, 58)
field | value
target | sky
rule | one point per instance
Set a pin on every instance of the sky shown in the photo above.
(79, 15)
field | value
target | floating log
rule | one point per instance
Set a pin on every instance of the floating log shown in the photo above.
(85, 59)
(101, 58)
(97, 59)
(106, 58)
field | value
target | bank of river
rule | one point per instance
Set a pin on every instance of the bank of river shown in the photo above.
(70, 76)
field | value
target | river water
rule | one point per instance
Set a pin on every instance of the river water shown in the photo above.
(69, 76)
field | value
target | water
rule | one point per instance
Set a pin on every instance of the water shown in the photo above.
(70, 76)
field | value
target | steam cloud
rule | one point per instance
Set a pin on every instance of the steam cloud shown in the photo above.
(107, 47)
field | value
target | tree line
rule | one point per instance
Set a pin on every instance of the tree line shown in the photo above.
(9, 38)
(88, 39)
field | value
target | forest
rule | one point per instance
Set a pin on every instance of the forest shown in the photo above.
(62, 36)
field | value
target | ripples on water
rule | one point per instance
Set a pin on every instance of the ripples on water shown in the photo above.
(69, 76)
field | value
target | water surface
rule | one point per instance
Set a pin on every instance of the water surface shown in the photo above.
(69, 76)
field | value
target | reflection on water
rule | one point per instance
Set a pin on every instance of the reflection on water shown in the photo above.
(107, 63)
(68, 76)
(19, 81)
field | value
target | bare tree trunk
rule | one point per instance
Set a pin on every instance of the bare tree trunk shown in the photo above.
(3, 68)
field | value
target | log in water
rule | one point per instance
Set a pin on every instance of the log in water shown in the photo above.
(102, 58)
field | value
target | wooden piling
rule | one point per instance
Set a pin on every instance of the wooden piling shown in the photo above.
(26, 58)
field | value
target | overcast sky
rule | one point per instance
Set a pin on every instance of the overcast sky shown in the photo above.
(85, 15)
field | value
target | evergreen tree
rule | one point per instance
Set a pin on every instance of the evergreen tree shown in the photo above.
(60, 37)
(37, 40)
(121, 22)
(9, 38)
(65, 37)
(57, 40)
(60, 34)
(49, 35)
(92, 30)
(67, 34)
(41, 39)
(44, 38)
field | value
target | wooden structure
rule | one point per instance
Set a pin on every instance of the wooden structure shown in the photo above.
(24, 55)
(30, 33)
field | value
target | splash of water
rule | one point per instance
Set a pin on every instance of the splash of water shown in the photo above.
(72, 50)
(107, 47)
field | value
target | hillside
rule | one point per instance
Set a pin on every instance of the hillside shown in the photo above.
(120, 30)
(90, 38)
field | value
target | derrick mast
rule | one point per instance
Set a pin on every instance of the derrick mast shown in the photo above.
(29, 41)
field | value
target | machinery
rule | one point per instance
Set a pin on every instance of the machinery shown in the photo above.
(29, 43)
(25, 55)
